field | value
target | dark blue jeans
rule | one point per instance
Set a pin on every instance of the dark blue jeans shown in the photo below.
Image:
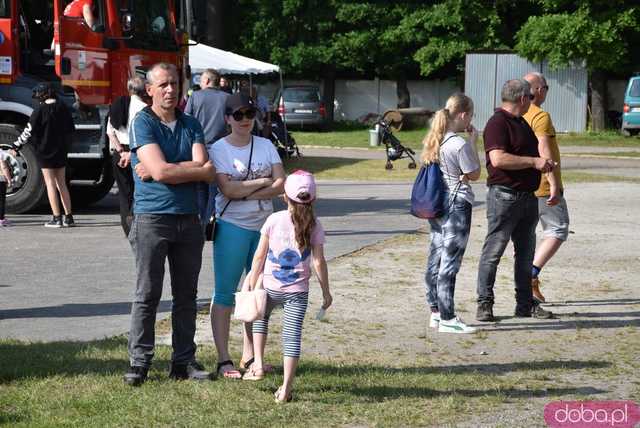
(154, 239)
(511, 215)
(449, 237)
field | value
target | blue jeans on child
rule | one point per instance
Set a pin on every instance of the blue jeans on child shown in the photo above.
(449, 237)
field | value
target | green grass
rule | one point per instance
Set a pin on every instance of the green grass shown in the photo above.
(326, 168)
(354, 136)
(584, 177)
(79, 385)
(598, 139)
(613, 154)
(352, 169)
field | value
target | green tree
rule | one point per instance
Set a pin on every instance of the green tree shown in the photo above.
(603, 34)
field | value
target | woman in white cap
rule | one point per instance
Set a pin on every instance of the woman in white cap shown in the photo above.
(249, 173)
(290, 241)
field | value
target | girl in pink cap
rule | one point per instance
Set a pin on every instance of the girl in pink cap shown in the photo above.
(289, 242)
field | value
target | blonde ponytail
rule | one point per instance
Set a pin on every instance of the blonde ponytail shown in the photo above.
(431, 142)
(457, 103)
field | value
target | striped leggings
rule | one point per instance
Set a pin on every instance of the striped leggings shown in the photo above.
(295, 307)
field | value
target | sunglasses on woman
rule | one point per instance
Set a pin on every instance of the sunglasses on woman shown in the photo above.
(239, 115)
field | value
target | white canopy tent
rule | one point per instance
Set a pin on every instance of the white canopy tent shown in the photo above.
(202, 57)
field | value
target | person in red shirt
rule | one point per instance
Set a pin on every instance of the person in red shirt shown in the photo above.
(81, 9)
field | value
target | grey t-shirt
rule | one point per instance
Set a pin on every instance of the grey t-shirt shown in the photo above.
(457, 157)
(207, 105)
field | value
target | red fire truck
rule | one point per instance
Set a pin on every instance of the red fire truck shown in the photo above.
(90, 66)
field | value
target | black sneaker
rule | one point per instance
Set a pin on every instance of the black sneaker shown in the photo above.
(538, 312)
(135, 376)
(535, 311)
(192, 370)
(68, 221)
(56, 221)
(485, 312)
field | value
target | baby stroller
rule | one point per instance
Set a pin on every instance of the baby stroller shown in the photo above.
(393, 147)
(281, 138)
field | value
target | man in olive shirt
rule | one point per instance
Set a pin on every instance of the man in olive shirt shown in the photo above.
(513, 166)
(553, 211)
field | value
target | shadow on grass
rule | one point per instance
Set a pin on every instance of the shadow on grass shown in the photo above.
(317, 164)
(76, 310)
(383, 393)
(24, 360)
(490, 368)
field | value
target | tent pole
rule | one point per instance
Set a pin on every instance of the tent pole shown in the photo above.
(284, 121)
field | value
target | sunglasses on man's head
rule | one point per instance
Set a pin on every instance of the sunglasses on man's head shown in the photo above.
(239, 115)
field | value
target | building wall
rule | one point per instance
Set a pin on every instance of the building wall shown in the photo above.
(485, 73)
(355, 99)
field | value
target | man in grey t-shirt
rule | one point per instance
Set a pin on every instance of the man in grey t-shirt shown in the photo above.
(207, 105)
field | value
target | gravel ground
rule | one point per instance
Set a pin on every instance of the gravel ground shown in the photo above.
(379, 311)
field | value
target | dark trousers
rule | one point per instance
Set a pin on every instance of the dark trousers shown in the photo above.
(511, 215)
(124, 181)
(154, 239)
(3, 198)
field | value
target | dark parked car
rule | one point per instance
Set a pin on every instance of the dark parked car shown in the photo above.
(301, 106)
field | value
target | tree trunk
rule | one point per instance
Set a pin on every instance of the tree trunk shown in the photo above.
(215, 24)
(598, 87)
(329, 93)
(402, 91)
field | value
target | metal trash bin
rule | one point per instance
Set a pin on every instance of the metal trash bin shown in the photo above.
(374, 137)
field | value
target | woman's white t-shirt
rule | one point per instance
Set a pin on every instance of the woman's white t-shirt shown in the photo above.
(457, 157)
(233, 161)
(3, 157)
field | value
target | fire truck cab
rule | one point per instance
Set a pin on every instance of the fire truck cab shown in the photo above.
(90, 66)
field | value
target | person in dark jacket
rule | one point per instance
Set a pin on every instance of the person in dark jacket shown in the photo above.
(121, 114)
(49, 129)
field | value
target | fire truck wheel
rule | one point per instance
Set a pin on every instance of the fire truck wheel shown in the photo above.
(28, 191)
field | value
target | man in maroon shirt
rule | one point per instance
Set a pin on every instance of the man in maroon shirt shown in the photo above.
(514, 167)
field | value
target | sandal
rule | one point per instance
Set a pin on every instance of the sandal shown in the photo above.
(228, 374)
(253, 374)
(281, 401)
(246, 365)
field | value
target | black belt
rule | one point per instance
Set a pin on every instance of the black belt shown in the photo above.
(512, 191)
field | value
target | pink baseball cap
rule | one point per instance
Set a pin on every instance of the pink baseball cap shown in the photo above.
(299, 182)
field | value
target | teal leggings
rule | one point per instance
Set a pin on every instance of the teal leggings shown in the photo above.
(233, 251)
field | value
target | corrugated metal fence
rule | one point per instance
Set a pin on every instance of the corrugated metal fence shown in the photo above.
(485, 73)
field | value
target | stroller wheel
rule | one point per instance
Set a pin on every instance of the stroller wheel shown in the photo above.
(412, 165)
(389, 165)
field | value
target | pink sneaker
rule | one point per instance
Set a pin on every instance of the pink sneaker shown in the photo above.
(5, 222)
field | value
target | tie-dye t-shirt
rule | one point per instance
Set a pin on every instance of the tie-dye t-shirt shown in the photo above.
(287, 269)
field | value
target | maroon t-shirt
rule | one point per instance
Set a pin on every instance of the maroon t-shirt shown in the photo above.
(512, 134)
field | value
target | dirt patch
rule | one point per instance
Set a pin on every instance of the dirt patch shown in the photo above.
(588, 351)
